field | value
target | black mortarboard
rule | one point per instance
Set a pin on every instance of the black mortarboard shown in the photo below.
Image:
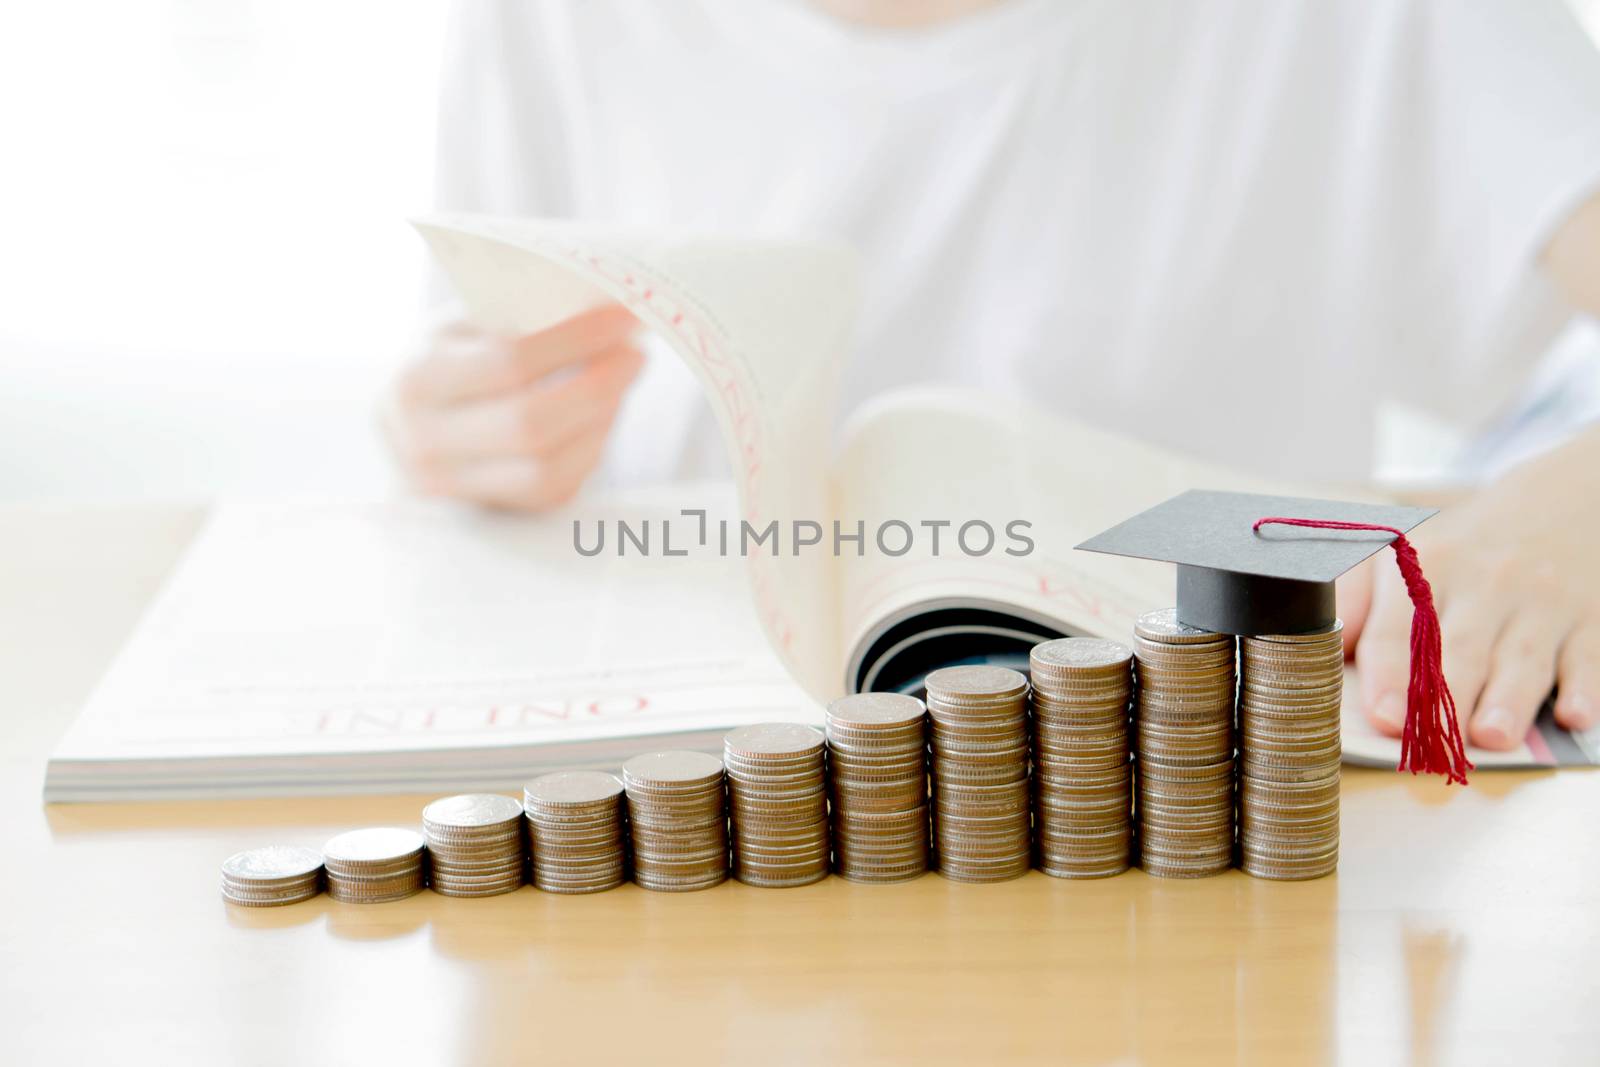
(1236, 579)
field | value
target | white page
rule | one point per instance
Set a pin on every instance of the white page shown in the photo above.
(764, 326)
(961, 455)
(308, 630)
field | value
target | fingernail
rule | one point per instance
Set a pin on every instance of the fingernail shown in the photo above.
(1494, 727)
(1580, 713)
(1391, 708)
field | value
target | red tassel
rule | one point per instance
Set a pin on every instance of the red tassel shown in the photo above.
(1432, 740)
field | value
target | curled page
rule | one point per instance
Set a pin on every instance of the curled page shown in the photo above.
(763, 325)
(1028, 487)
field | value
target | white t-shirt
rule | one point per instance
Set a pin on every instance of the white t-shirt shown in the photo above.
(1230, 226)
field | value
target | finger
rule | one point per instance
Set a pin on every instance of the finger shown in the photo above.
(568, 342)
(1469, 628)
(536, 421)
(461, 363)
(485, 480)
(1521, 672)
(564, 480)
(1578, 678)
(1355, 600)
(1383, 656)
(525, 484)
(466, 365)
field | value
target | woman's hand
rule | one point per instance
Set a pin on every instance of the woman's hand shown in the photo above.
(517, 422)
(1515, 570)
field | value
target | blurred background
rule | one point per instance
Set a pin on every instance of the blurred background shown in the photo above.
(205, 268)
(205, 271)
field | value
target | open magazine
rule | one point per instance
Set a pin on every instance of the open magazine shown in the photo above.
(403, 645)
(765, 325)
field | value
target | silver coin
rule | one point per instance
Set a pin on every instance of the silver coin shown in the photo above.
(373, 845)
(672, 769)
(564, 789)
(1163, 626)
(976, 681)
(272, 863)
(770, 740)
(472, 810)
(875, 711)
(1085, 654)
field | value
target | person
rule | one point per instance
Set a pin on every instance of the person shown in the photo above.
(1235, 227)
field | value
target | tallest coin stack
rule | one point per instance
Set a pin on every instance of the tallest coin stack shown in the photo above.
(1290, 692)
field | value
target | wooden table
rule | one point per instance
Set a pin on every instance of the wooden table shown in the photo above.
(1462, 926)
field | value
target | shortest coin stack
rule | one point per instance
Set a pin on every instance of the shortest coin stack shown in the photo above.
(475, 844)
(878, 778)
(678, 816)
(576, 829)
(374, 865)
(275, 874)
(777, 803)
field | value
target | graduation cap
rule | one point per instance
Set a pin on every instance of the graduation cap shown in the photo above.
(1254, 564)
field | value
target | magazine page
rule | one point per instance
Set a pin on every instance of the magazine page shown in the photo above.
(763, 324)
(371, 645)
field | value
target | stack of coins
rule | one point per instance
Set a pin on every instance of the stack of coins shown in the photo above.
(374, 865)
(979, 764)
(1082, 781)
(777, 804)
(1290, 692)
(877, 774)
(1184, 747)
(476, 844)
(576, 830)
(677, 809)
(272, 875)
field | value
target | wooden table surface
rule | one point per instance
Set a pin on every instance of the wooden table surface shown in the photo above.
(1462, 925)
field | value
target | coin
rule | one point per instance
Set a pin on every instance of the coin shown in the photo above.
(580, 790)
(476, 844)
(980, 684)
(1163, 626)
(577, 834)
(878, 786)
(472, 811)
(1080, 667)
(374, 865)
(676, 771)
(876, 712)
(778, 804)
(272, 875)
(978, 764)
(1184, 746)
(772, 741)
(376, 845)
(677, 815)
(1291, 689)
